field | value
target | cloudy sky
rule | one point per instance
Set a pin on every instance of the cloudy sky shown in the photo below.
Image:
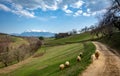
(17, 16)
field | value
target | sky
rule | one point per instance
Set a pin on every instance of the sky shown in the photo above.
(17, 16)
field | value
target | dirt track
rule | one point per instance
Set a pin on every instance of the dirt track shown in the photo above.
(107, 65)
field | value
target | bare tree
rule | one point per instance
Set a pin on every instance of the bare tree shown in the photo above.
(17, 55)
(109, 21)
(5, 57)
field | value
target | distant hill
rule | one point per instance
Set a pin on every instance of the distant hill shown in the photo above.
(70, 39)
(35, 34)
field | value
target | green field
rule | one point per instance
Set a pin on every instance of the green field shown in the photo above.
(71, 39)
(48, 64)
(46, 61)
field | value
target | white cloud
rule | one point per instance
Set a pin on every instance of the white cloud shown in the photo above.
(36, 30)
(47, 6)
(97, 12)
(90, 13)
(78, 13)
(97, 5)
(5, 8)
(77, 4)
(86, 14)
(24, 13)
(18, 9)
(53, 7)
(94, 13)
(65, 9)
(101, 11)
(88, 10)
(27, 7)
(39, 4)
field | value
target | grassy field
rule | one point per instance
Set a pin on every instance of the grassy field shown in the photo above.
(48, 64)
(17, 42)
(71, 39)
(46, 60)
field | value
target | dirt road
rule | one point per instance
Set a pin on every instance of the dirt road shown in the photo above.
(107, 65)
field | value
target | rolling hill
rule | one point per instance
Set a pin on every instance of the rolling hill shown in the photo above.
(70, 39)
(14, 49)
(48, 63)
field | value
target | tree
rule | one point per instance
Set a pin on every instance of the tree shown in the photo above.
(17, 55)
(74, 31)
(61, 35)
(5, 57)
(112, 17)
(85, 29)
(34, 44)
(41, 38)
(109, 21)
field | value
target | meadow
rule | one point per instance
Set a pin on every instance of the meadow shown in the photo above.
(48, 58)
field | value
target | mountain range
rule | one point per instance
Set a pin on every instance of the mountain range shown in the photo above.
(35, 34)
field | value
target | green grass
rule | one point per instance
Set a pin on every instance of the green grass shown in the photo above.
(48, 64)
(113, 42)
(17, 42)
(71, 39)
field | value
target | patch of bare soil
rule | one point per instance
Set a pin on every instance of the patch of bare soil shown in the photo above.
(108, 63)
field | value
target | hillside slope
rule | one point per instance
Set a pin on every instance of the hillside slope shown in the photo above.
(15, 49)
(11, 41)
(70, 39)
(113, 42)
(48, 63)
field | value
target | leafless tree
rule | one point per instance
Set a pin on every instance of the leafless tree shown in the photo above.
(5, 57)
(109, 21)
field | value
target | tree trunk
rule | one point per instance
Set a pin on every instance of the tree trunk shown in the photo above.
(5, 64)
(18, 60)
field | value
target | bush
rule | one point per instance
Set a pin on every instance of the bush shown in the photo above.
(41, 38)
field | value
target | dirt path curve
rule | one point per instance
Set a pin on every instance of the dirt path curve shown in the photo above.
(107, 65)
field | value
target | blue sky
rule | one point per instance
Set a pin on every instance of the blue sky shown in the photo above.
(17, 16)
